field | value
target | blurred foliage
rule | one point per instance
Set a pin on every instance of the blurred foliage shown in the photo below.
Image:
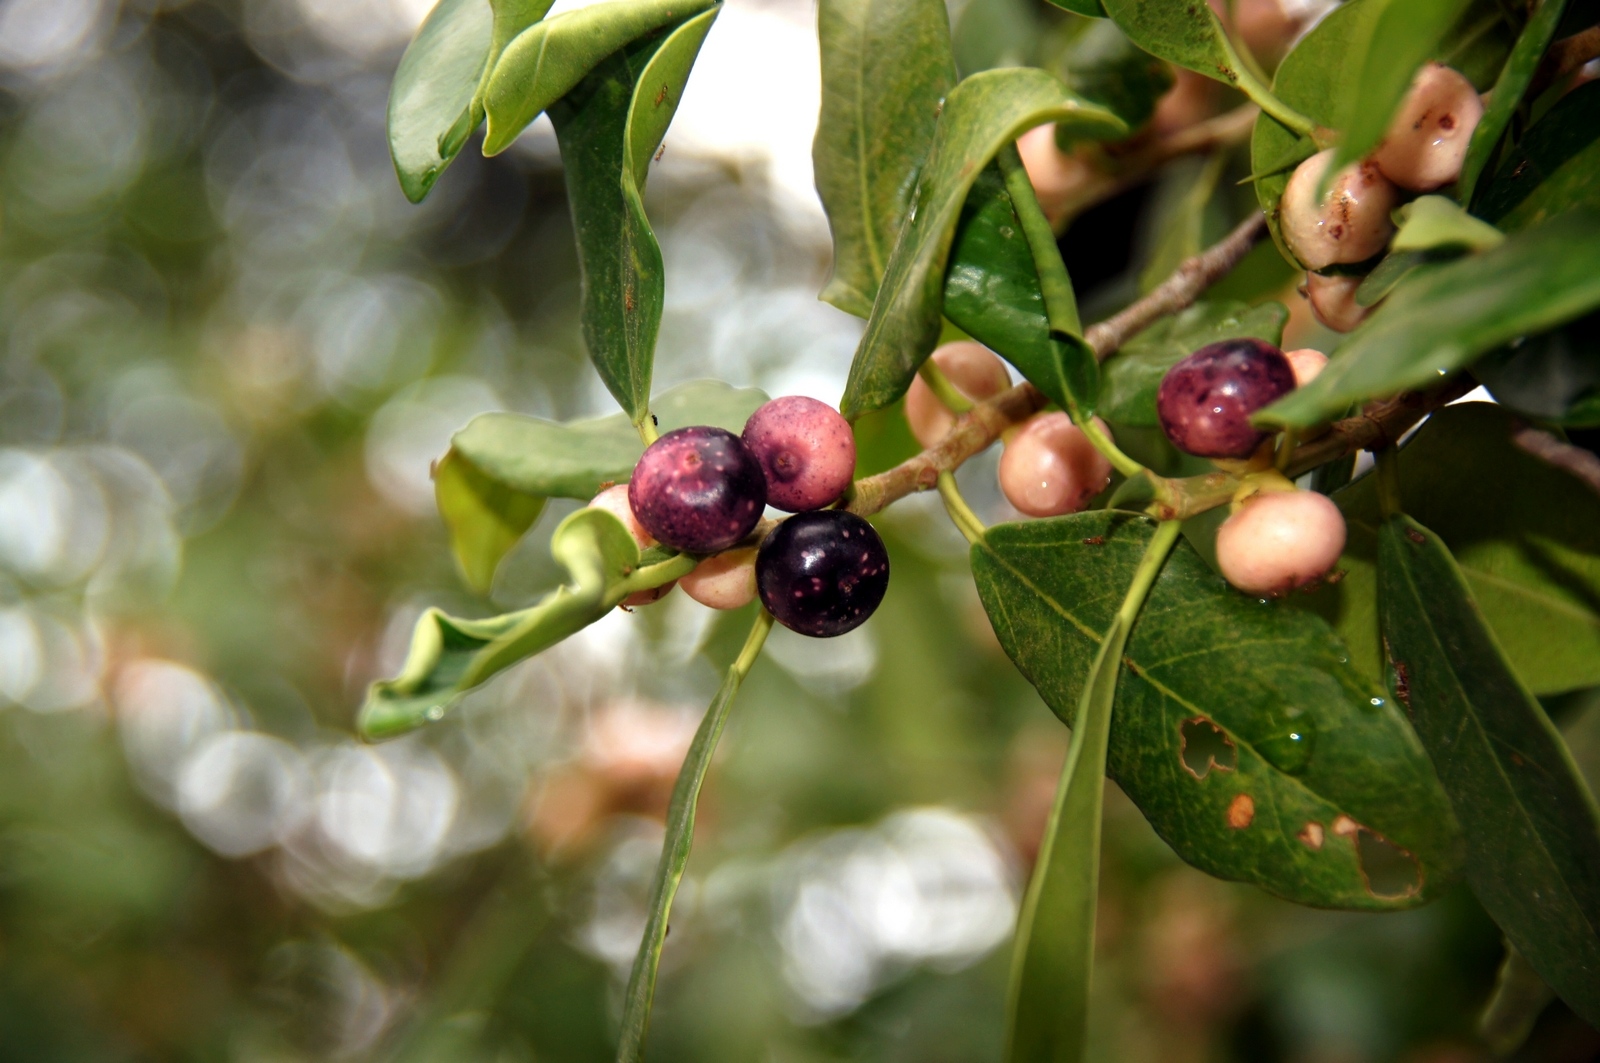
(230, 350)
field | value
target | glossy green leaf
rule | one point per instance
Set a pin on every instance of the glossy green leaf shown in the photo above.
(434, 87)
(608, 127)
(1105, 67)
(886, 68)
(991, 290)
(1442, 317)
(1554, 168)
(1526, 535)
(1131, 377)
(1400, 36)
(983, 113)
(1509, 88)
(1431, 222)
(1554, 377)
(1054, 952)
(550, 459)
(1241, 732)
(485, 518)
(675, 847)
(1188, 34)
(548, 59)
(449, 655)
(1531, 826)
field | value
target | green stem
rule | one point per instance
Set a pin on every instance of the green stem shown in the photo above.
(649, 577)
(960, 513)
(647, 429)
(942, 389)
(1103, 443)
(675, 847)
(1053, 960)
(1388, 474)
(1253, 87)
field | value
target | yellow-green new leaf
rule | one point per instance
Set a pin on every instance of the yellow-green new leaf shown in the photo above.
(485, 518)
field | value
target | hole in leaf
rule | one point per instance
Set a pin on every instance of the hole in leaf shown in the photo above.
(1203, 746)
(1390, 872)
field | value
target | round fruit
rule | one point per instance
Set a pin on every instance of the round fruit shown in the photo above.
(1205, 401)
(1333, 301)
(698, 490)
(1055, 174)
(1427, 141)
(614, 500)
(822, 573)
(1280, 540)
(1050, 467)
(972, 369)
(1350, 224)
(726, 581)
(1307, 363)
(805, 449)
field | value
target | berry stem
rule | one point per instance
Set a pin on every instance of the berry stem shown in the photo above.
(649, 577)
(942, 389)
(961, 514)
(647, 429)
(1103, 443)
(1245, 80)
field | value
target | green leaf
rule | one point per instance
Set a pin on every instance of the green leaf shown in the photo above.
(1555, 168)
(983, 113)
(1400, 36)
(433, 90)
(549, 459)
(1105, 67)
(450, 656)
(1526, 535)
(1131, 377)
(548, 59)
(1089, 8)
(1188, 34)
(1554, 377)
(1377, 285)
(1442, 317)
(1241, 732)
(1431, 222)
(485, 518)
(886, 68)
(1509, 88)
(608, 127)
(991, 290)
(1054, 952)
(675, 847)
(1532, 828)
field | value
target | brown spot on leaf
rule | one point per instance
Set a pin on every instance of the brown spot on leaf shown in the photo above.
(1241, 810)
(1202, 745)
(1311, 835)
(1095, 540)
(1516, 758)
(1345, 827)
(1415, 536)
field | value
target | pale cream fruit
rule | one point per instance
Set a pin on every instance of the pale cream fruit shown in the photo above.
(1427, 141)
(1280, 540)
(614, 500)
(1050, 467)
(1307, 363)
(1333, 301)
(972, 369)
(726, 581)
(1057, 176)
(1350, 224)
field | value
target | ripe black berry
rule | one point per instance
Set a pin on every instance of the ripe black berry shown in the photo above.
(806, 450)
(1206, 400)
(698, 490)
(822, 573)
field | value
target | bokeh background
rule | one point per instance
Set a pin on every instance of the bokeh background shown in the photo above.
(229, 350)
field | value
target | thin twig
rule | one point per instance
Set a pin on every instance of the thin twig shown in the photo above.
(1547, 448)
(975, 430)
(1565, 56)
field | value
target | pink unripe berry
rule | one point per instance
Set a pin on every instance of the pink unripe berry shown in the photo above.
(1280, 540)
(972, 369)
(1055, 174)
(1350, 224)
(1333, 301)
(614, 500)
(1049, 467)
(806, 450)
(1427, 141)
(726, 581)
(1307, 363)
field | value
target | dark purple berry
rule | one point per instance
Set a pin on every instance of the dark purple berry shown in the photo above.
(698, 490)
(805, 448)
(1206, 400)
(822, 573)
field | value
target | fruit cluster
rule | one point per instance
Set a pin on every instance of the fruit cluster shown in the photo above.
(1339, 237)
(702, 491)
